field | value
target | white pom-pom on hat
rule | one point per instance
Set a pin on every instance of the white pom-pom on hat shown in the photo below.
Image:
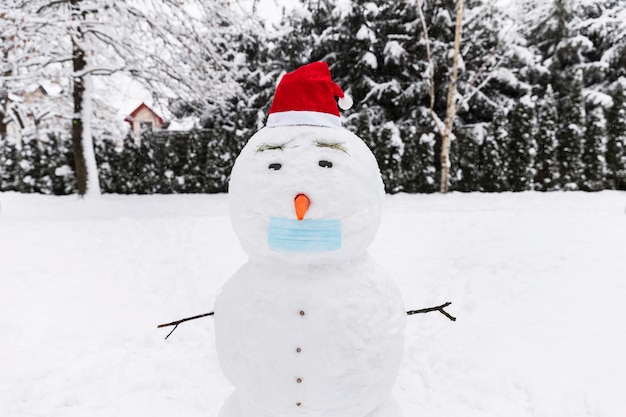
(345, 102)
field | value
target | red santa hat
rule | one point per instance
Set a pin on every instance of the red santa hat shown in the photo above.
(306, 96)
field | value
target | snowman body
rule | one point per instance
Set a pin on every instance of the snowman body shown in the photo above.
(315, 341)
(311, 325)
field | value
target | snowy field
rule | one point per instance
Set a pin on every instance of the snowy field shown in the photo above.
(537, 281)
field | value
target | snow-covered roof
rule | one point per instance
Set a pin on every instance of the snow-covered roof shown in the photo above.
(143, 106)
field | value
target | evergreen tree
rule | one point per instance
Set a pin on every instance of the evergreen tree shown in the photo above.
(3, 169)
(388, 152)
(221, 154)
(491, 61)
(491, 165)
(350, 48)
(302, 30)
(108, 159)
(564, 50)
(417, 165)
(616, 138)
(547, 33)
(468, 164)
(373, 54)
(30, 164)
(168, 164)
(569, 47)
(546, 167)
(65, 177)
(603, 23)
(256, 72)
(9, 166)
(593, 150)
(490, 168)
(521, 147)
(571, 135)
(194, 168)
(393, 78)
(127, 169)
(48, 151)
(145, 168)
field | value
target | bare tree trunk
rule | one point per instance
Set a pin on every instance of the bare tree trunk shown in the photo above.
(3, 118)
(87, 181)
(80, 165)
(4, 98)
(78, 93)
(451, 104)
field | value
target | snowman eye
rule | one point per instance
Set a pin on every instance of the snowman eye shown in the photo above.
(275, 166)
(325, 164)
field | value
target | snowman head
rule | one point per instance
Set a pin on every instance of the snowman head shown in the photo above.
(303, 189)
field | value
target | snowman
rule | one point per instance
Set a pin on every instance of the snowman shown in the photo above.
(310, 325)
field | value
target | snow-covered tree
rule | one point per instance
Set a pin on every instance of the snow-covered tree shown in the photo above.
(221, 154)
(491, 54)
(593, 149)
(107, 157)
(30, 162)
(168, 163)
(615, 155)
(379, 66)
(17, 47)
(521, 147)
(417, 165)
(388, 151)
(145, 168)
(179, 51)
(194, 169)
(571, 135)
(546, 166)
(468, 159)
(126, 178)
(9, 166)
(603, 22)
(492, 153)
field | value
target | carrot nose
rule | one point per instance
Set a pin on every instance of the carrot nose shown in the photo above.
(301, 203)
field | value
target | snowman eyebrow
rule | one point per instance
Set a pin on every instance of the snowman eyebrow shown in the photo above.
(331, 145)
(269, 147)
(273, 146)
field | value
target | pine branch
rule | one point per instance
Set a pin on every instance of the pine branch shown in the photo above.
(430, 309)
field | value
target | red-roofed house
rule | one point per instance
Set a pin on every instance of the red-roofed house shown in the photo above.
(144, 118)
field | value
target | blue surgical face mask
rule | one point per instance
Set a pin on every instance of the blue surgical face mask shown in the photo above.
(304, 236)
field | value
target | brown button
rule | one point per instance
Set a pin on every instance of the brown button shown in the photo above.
(299, 380)
(301, 312)
(298, 404)
(298, 350)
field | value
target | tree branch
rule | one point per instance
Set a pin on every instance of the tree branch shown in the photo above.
(51, 5)
(430, 309)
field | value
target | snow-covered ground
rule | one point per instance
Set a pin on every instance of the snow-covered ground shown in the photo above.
(537, 281)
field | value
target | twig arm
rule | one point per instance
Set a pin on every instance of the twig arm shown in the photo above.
(177, 322)
(430, 309)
